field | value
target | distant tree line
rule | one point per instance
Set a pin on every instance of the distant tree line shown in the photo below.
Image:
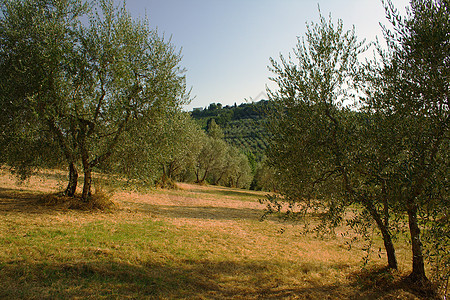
(174, 148)
(244, 126)
(224, 114)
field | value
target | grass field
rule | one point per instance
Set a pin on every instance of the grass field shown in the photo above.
(197, 242)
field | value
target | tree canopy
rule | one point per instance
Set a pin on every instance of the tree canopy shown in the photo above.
(85, 83)
(411, 95)
(375, 136)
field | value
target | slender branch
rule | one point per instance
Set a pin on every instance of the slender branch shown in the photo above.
(61, 140)
(100, 101)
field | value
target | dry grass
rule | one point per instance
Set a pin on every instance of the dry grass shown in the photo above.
(98, 201)
(196, 242)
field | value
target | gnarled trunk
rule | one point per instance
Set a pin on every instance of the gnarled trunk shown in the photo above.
(73, 181)
(390, 250)
(87, 185)
(418, 272)
(387, 239)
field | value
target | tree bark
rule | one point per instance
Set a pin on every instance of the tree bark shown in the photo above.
(383, 226)
(85, 127)
(69, 154)
(216, 182)
(387, 239)
(237, 180)
(418, 272)
(73, 181)
(390, 250)
(197, 175)
(165, 179)
(87, 185)
(204, 176)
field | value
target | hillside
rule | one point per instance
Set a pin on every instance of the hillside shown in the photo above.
(243, 126)
(198, 242)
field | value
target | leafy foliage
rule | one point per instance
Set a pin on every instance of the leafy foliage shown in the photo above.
(35, 58)
(86, 83)
(321, 149)
(161, 151)
(243, 126)
(412, 95)
(388, 152)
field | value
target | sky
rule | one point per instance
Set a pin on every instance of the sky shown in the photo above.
(226, 45)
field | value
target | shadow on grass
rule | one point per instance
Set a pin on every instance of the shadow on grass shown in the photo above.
(247, 195)
(382, 283)
(186, 279)
(20, 200)
(204, 212)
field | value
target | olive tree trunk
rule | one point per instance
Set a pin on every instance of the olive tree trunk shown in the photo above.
(385, 233)
(73, 181)
(87, 185)
(418, 269)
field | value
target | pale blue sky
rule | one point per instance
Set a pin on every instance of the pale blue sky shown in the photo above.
(226, 45)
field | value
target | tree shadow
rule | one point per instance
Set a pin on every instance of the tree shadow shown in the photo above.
(204, 212)
(229, 192)
(20, 200)
(202, 279)
(383, 283)
(29, 201)
(104, 277)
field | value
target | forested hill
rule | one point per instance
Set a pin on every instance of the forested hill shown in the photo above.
(243, 125)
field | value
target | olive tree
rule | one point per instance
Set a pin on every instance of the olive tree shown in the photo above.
(411, 94)
(130, 74)
(389, 153)
(177, 146)
(236, 171)
(161, 151)
(37, 50)
(211, 159)
(321, 150)
(88, 82)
